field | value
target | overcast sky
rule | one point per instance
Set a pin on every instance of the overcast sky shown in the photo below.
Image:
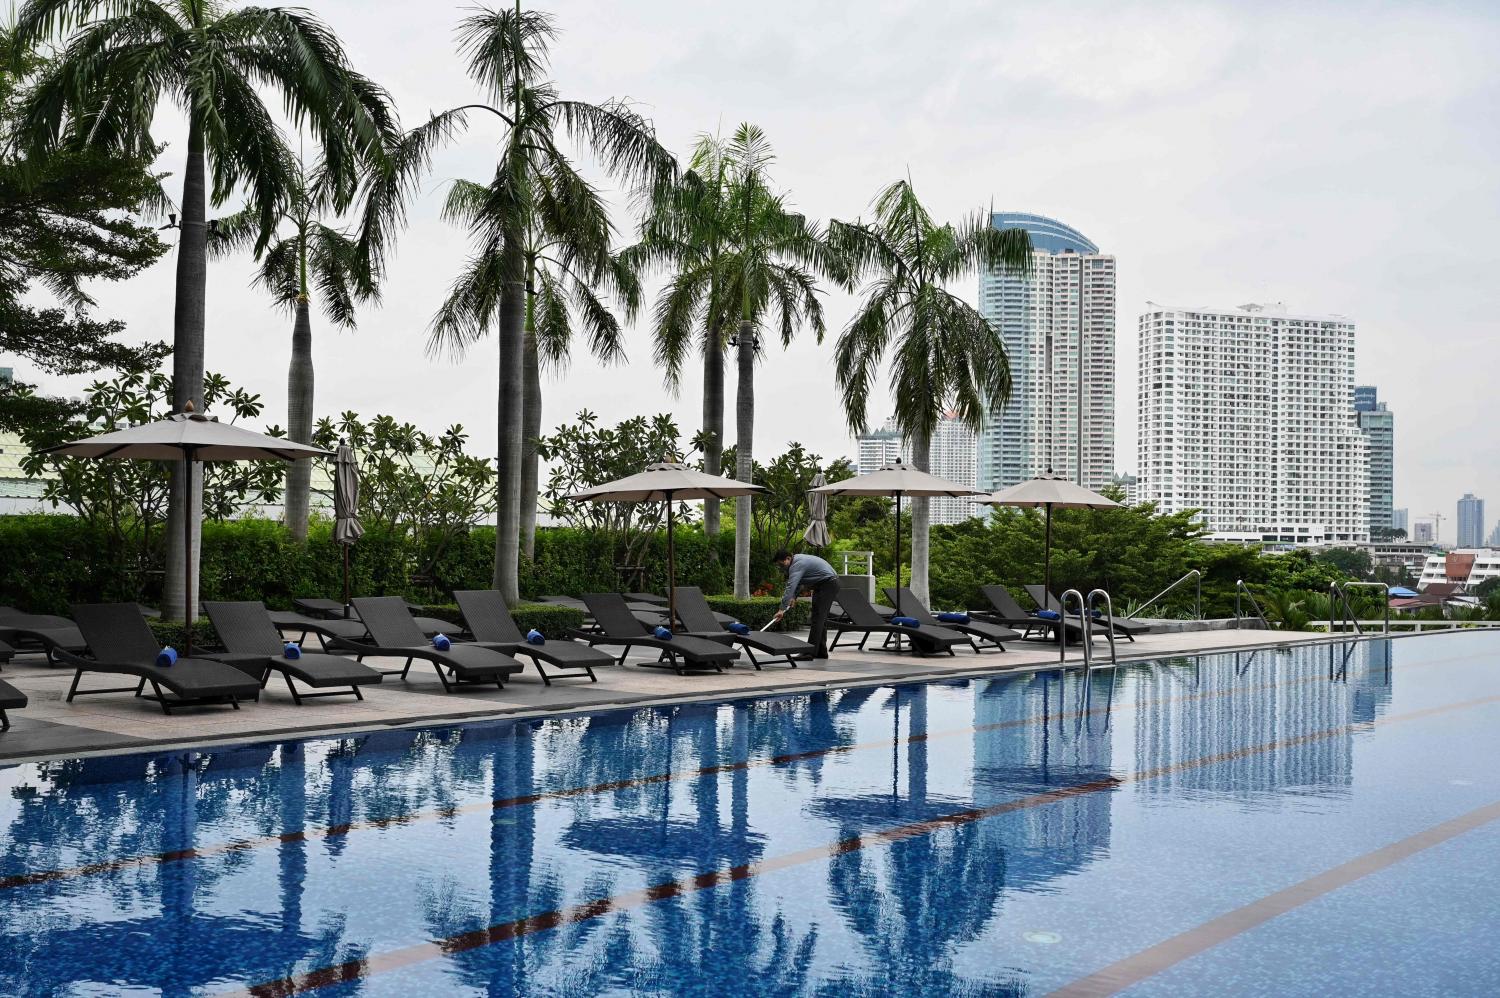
(1338, 157)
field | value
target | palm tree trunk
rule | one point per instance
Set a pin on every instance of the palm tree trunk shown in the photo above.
(508, 440)
(713, 423)
(744, 436)
(921, 454)
(531, 418)
(187, 378)
(299, 421)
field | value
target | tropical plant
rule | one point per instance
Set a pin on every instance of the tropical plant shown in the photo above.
(780, 514)
(507, 53)
(123, 58)
(311, 255)
(946, 355)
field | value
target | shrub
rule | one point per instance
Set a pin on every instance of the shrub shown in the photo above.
(757, 610)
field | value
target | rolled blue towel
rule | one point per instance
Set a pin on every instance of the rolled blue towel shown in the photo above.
(662, 634)
(906, 622)
(1049, 614)
(441, 642)
(739, 628)
(291, 650)
(535, 637)
(166, 658)
(953, 618)
(1097, 614)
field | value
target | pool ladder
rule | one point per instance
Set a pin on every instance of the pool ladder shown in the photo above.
(1338, 604)
(1086, 619)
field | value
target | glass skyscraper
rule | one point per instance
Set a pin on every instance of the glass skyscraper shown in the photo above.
(1378, 424)
(1470, 521)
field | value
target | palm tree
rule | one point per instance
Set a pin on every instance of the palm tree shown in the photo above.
(312, 255)
(687, 229)
(947, 357)
(124, 58)
(568, 265)
(507, 54)
(770, 264)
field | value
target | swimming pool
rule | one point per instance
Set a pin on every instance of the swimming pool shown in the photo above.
(1312, 820)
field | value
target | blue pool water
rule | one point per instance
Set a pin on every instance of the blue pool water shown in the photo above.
(1320, 820)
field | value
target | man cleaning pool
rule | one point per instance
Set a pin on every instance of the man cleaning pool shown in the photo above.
(812, 572)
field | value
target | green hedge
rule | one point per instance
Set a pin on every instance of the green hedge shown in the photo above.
(756, 610)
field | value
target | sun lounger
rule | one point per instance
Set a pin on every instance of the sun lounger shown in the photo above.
(1123, 625)
(251, 641)
(297, 626)
(42, 632)
(491, 625)
(333, 610)
(862, 619)
(121, 643)
(981, 634)
(683, 652)
(701, 621)
(1009, 613)
(6, 653)
(394, 634)
(10, 699)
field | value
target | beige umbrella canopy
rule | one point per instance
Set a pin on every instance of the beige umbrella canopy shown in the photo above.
(896, 480)
(667, 482)
(1048, 493)
(187, 437)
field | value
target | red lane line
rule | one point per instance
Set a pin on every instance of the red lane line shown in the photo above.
(585, 911)
(1147, 963)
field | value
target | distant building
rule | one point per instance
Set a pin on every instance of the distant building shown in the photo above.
(1407, 555)
(1494, 540)
(1070, 293)
(1424, 532)
(1378, 425)
(878, 448)
(954, 456)
(1400, 519)
(1466, 568)
(1246, 414)
(1128, 484)
(1470, 521)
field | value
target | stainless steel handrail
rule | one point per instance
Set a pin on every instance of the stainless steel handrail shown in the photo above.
(1197, 596)
(1109, 620)
(1062, 629)
(1342, 591)
(1241, 589)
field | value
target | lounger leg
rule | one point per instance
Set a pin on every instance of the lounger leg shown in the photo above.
(4, 721)
(441, 678)
(295, 698)
(407, 669)
(540, 671)
(357, 694)
(234, 702)
(751, 656)
(73, 690)
(166, 708)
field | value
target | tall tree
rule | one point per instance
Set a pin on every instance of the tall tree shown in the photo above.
(945, 355)
(769, 266)
(686, 229)
(123, 58)
(507, 55)
(311, 255)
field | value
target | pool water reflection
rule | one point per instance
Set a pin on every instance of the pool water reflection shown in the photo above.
(1006, 835)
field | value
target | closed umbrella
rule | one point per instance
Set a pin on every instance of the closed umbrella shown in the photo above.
(667, 482)
(189, 437)
(896, 480)
(346, 526)
(1049, 493)
(816, 533)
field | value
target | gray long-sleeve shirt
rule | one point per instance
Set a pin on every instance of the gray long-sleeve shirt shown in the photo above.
(806, 570)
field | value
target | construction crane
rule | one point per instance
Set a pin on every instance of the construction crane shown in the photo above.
(1437, 527)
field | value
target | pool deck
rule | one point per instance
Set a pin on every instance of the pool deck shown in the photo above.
(51, 728)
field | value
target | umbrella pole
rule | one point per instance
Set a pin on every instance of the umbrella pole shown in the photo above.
(346, 580)
(898, 554)
(671, 568)
(187, 552)
(1047, 558)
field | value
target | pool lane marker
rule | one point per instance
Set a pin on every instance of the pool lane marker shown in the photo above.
(1166, 954)
(444, 813)
(464, 942)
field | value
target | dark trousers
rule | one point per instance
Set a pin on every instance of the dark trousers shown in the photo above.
(824, 593)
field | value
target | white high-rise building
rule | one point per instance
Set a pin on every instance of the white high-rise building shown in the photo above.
(954, 456)
(1070, 290)
(1247, 415)
(878, 448)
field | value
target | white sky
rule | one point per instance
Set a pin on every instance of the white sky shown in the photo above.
(1338, 157)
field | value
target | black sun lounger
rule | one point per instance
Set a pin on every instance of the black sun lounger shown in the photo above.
(862, 618)
(491, 625)
(1123, 625)
(6, 653)
(332, 611)
(393, 634)
(699, 619)
(291, 623)
(1011, 614)
(981, 635)
(122, 644)
(249, 637)
(682, 653)
(42, 632)
(10, 699)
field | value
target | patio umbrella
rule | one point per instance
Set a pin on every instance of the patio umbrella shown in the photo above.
(1049, 493)
(189, 437)
(816, 533)
(346, 526)
(895, 480)
(667, 482)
